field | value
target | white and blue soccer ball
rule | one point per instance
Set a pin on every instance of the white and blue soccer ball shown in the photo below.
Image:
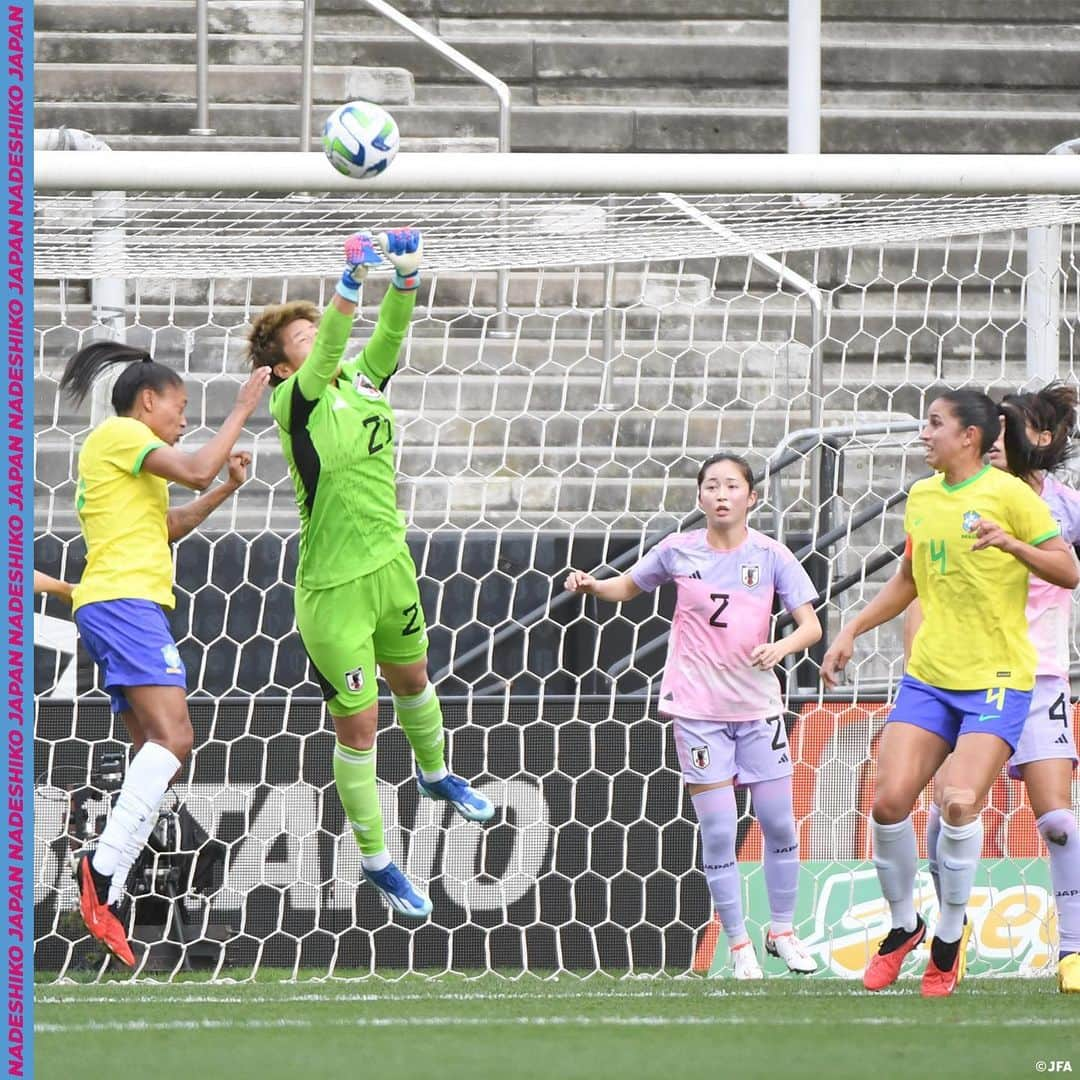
(360, 139)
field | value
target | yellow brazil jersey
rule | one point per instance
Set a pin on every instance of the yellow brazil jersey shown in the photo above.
(123, 510)
(974, 634)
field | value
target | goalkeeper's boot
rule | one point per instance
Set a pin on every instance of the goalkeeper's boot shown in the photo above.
(1069, 974)
(101, 920)
(884, 967)
(791, 950)
(399, 892)
(965, 937)
(744, 962)
(940, 977)
(466, 800)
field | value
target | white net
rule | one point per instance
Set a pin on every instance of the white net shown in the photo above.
(224, 234)
(564, 430)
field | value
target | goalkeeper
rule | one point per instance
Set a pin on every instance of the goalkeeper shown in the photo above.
(357, 599)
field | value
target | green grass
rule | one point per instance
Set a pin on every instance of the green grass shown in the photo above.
(592, 1028)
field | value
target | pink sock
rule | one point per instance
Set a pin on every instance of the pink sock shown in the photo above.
(718, 817)
(1058, 829)
(772, 808)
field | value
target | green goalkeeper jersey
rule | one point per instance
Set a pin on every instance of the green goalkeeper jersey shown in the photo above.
(337, 432)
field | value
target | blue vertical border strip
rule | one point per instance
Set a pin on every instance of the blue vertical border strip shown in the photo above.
(17, 912)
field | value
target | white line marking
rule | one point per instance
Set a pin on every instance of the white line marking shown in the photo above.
(169, 996)
(128, 1026)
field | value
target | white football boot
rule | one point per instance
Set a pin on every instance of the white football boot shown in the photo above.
(791, 950)
(744, 962)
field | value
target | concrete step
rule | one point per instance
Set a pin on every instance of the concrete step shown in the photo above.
(1047, 61)
(607, 129)
(572, 129)
(224, 16)
(594, 17)
(740, 319)
(267, 84)
(956, 11)
(409, 145)
(875, 33)
(996, 260)
(940, 282)
(505, 57)
(648, 94)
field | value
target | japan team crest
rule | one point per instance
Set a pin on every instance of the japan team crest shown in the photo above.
(699, 755)
(354, 680)
(970, 521)
(363, 385)
(750, 574)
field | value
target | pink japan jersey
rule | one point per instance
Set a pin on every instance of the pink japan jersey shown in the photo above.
(722, 612)
(1049, 607)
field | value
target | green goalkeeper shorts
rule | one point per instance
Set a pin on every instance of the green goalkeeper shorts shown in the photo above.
(348, 629)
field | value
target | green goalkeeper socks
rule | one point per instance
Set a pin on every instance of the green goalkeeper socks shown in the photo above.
(354, 774)
(421, 719)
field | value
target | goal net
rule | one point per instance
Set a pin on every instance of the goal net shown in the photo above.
(576, 352)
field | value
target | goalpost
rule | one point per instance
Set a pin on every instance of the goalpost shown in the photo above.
(657, 308)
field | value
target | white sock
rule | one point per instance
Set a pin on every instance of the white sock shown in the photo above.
(144, 787)
(436, 776)
(135, 843)
(895, 857)
(958, 851)
(376, 862)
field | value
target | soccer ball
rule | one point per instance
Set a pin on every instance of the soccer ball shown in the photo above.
(360, 139)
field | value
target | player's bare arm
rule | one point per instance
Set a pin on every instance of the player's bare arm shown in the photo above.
(616, 590)
(182, 520)
(198, 470)
(807, 632)
(892, 601)
(1052, 560)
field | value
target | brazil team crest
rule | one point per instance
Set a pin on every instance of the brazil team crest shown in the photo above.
(699, 755)
(970, 521)
(173, 664)
(749, 574)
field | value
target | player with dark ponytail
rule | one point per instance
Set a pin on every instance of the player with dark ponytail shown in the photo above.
(1037, 437)
(120, 604)
(975, 539)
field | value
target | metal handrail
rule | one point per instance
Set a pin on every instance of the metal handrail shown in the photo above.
(786, 454)
(447, 52)
(458, 59)
(774, 464)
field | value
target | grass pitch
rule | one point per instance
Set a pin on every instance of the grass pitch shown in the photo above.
(567, 1028)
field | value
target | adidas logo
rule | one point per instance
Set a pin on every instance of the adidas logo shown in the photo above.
(696, 574)
(669, 696)
(784, 759)
(1062, 740)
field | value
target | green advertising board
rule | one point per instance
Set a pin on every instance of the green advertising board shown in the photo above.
(841, 918)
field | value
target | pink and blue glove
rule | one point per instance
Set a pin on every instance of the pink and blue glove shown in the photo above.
(404, 249)
(360, 253)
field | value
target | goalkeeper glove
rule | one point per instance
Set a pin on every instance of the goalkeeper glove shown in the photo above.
(360, 253)
(404, 248)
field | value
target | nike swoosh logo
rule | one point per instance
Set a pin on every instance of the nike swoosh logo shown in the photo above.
(983, 717)
(917, 521)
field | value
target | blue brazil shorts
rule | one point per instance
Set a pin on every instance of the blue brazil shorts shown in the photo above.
(132, 643)
(952, 713)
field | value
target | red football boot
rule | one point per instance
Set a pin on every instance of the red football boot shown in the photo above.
(884, 968)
